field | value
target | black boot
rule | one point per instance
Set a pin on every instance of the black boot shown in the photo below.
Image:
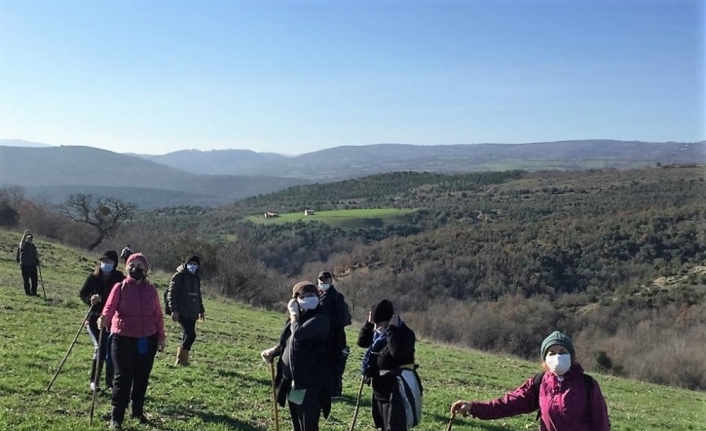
(116, 418)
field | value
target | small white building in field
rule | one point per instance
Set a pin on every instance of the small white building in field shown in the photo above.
(308, 212)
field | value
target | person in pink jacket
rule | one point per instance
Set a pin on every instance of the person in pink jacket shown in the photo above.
(133, 315)
(567, 399)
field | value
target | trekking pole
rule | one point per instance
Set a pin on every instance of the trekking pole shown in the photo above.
(41, 279)
(96, 375)
(451, 421)
(69, 351)
(357, 402)
(274, 395)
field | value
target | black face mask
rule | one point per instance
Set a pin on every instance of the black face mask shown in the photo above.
(137, 273)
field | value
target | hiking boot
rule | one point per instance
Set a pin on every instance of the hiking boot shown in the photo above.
(182, 357)
(141, 418)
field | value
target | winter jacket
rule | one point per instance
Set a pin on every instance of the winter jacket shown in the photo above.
(184, 294)
(97, 285)
(396, 353)
(27, 254)
(333, 306)
(133, 310)
(304, 344)
(563, 405)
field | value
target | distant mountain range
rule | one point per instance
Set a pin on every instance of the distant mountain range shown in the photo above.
(56, 172)
(209, 178)
(355, 161)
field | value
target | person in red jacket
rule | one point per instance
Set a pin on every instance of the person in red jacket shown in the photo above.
(567, 399)
(133, 315)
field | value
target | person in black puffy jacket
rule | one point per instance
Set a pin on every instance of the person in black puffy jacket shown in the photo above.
(185, 301)
(303, 369)
(94, 292)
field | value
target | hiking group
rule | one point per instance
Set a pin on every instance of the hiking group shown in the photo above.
(126, 325)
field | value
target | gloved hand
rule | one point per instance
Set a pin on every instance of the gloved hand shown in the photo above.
(268, 355)
(95, 299)
(293, 307)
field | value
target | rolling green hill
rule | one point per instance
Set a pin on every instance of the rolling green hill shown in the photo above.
(227, 386)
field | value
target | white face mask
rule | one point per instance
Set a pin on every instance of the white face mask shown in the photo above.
(192, 267)
(324, 286)
(309, 303)
(558, 364)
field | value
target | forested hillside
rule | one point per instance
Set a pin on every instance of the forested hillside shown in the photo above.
(489, 260)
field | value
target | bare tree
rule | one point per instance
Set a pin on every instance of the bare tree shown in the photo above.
(103, 213)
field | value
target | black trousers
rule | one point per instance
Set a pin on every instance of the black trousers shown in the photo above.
(305, 417)
(338, 367)
(188, 328)
(29, 274)
(132, 373)
(100, 353)
(388, 411)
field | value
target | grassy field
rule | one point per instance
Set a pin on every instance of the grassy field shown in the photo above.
(341, 218)
(228, 386)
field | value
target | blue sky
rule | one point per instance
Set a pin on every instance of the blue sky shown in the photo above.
(299, 76)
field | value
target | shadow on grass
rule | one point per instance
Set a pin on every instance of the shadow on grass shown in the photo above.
(207, 418)
(489, 426)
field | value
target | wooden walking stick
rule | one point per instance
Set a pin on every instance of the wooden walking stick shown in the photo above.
(357, 402)
(274, 395)
(451, 421)
(96, 375)
(70, 347)
(42, 281)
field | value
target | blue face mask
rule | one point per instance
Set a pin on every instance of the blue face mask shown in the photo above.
(192, 267)
(107, 267)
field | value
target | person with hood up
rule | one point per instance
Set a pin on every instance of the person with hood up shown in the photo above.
(133, 316)
(567, 399)
(389, 365)
(28, 258)
(95, 292)
(185, 302)
(303, 373)
(334, 305)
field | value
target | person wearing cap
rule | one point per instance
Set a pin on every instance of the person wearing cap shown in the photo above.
(185, 302)
(95, 292)
(133, 315)
(567, 399)
(125, 254)
(335, 308)
(28, 258)
(303, 369)
(389, 365)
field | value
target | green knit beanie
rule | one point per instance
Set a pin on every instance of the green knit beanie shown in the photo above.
(557, 337)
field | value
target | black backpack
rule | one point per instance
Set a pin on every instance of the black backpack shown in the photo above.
(346, 318)
(588, 384)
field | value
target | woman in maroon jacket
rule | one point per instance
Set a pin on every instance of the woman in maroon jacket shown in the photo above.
(567, 399)
(134, 318)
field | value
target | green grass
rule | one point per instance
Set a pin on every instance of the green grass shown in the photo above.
(228, 386)
(341, 218)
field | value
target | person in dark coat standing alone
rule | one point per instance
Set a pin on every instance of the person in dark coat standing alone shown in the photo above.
(334, 305)
(389, 365)
(28, 258)
(185, 302)
(95, 292)
(303, 373)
